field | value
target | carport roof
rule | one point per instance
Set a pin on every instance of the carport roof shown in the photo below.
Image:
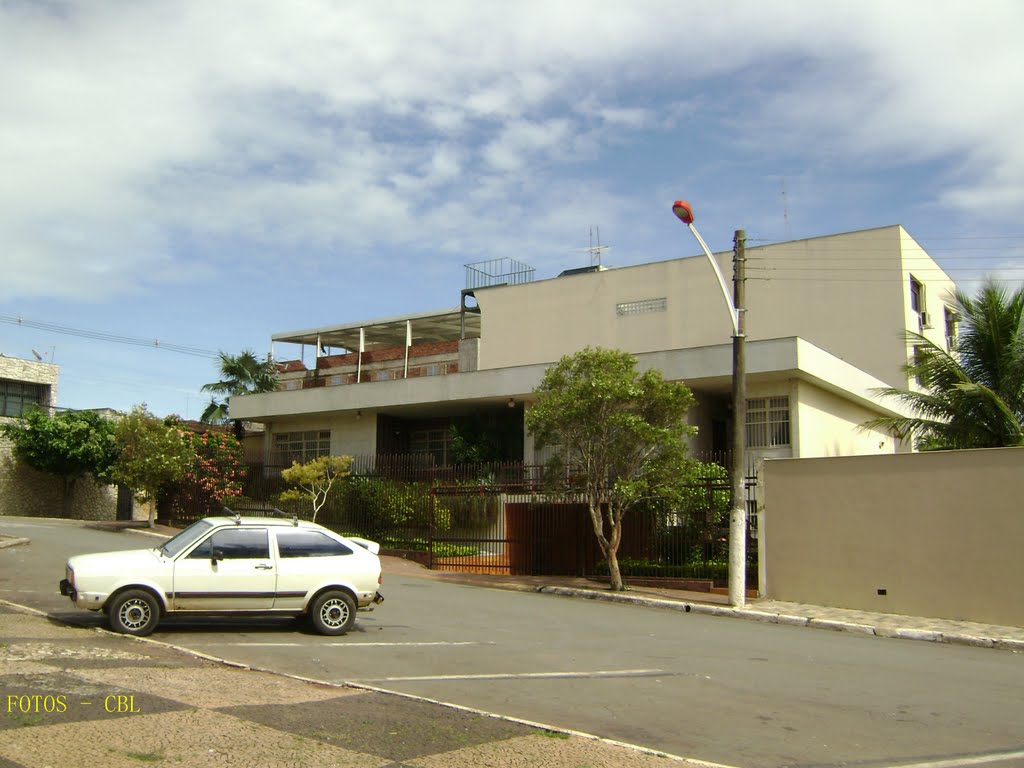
(437, 325)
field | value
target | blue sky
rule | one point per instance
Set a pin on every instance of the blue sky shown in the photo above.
(206, 174)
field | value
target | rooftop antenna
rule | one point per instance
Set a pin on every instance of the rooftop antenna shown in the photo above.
(785, 211)
(38, 356)
(595, 251)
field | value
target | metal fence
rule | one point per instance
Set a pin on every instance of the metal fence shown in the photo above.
(501, 518)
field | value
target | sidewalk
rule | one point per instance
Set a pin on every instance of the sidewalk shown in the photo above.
(771, 611)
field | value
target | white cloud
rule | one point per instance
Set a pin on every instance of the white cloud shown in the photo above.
(125, 126)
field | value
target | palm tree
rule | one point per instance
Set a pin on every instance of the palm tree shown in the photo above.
(973, 395)
(240, 375)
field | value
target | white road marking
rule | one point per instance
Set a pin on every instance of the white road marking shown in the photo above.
(526, 676)
(964, 761)
(340, 645)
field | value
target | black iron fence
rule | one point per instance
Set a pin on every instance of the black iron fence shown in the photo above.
(500, 518)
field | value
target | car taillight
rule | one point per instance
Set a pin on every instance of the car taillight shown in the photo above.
(380, 579)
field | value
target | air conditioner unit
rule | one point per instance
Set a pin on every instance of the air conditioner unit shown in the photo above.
(925, 319)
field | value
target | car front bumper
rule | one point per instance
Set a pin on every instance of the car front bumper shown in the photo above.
(92, 601)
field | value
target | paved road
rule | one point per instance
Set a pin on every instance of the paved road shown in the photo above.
(721, 690)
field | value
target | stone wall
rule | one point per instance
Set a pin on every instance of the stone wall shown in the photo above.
(28, 492)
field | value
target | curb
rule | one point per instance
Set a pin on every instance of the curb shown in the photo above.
(12, 541)
(899, 633)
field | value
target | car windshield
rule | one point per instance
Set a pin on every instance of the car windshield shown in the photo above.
(172, 547)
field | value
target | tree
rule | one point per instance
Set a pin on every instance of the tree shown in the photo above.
(152, 456)
(215, 477)
(624, 430)
(239, 375)
(314, 479)
(71, 445)
(973, 395)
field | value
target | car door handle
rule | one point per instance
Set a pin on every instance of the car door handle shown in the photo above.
(264, 567)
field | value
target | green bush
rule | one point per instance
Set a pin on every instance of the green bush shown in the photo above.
(377, 505)
(441, 548)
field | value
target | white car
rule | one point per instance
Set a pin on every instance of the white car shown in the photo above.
(232, 566)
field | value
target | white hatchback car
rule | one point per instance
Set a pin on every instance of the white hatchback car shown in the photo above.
(232, 566)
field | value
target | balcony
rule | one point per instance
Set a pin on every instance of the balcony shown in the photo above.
(438, 358)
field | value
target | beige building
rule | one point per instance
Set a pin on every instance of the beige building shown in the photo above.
(825, 323)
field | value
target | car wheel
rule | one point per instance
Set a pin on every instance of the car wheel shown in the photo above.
(134, 612)
(333, 613)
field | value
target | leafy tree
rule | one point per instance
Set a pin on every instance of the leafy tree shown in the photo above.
(623, 430)
(71, 445)
(314, 479)
(152, 456)
(972, 396)
(240, 374)
(216, 475)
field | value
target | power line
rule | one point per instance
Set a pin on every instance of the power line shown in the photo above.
(108, 337)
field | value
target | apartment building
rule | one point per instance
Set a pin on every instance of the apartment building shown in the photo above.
(826, 325)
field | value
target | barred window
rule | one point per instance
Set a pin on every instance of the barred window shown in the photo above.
(436, 442)
(767, 422)
(301, 446)
(641, 307)
(17, 397)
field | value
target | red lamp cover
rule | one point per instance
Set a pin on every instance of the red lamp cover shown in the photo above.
(682, 209)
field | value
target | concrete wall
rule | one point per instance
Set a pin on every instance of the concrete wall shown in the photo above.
(353, 433)
(939, 532)
(825, 424)
(847, 294)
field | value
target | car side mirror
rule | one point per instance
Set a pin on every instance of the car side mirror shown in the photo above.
(218, 554)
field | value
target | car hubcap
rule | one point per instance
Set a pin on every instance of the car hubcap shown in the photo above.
(134, 614)
(334, 613)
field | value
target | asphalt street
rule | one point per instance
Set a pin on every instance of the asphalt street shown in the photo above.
(731, 692)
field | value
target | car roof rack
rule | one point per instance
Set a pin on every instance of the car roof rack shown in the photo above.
(263, 512)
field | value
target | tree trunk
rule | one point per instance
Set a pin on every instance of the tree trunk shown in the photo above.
(616, 584)
(610, 549)
(152, 513)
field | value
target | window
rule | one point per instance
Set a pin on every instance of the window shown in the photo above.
(916, 295)
(17, 398)
(296, 543)
(236, 544)
(641, 307)
(952, 317)
(433, 441)
(301, 446)
(767, 422)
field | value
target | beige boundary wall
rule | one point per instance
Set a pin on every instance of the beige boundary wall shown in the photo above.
(941, 533)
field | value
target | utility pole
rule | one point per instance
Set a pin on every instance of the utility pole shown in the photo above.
(738, 491)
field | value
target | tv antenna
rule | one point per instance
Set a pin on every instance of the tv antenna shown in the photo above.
(785, 210)
(596, 249)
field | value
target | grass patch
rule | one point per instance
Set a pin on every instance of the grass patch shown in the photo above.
(553, 734)
(142, 757)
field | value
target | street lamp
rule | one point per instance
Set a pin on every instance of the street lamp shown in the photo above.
(737, 475)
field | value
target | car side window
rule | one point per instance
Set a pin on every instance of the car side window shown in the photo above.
(236, 544)
(295, 543)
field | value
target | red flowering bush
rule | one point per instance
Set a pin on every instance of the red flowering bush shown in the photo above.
(214, 479)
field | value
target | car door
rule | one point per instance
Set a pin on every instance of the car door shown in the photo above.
(307, 559)
(230, 570)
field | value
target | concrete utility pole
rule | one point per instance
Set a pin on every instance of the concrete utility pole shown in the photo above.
(738, 472)
(738, 491)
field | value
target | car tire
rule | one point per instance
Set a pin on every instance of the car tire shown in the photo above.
(333, 613)
(134, 612)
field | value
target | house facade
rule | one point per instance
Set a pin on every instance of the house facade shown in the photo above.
(826, 323)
